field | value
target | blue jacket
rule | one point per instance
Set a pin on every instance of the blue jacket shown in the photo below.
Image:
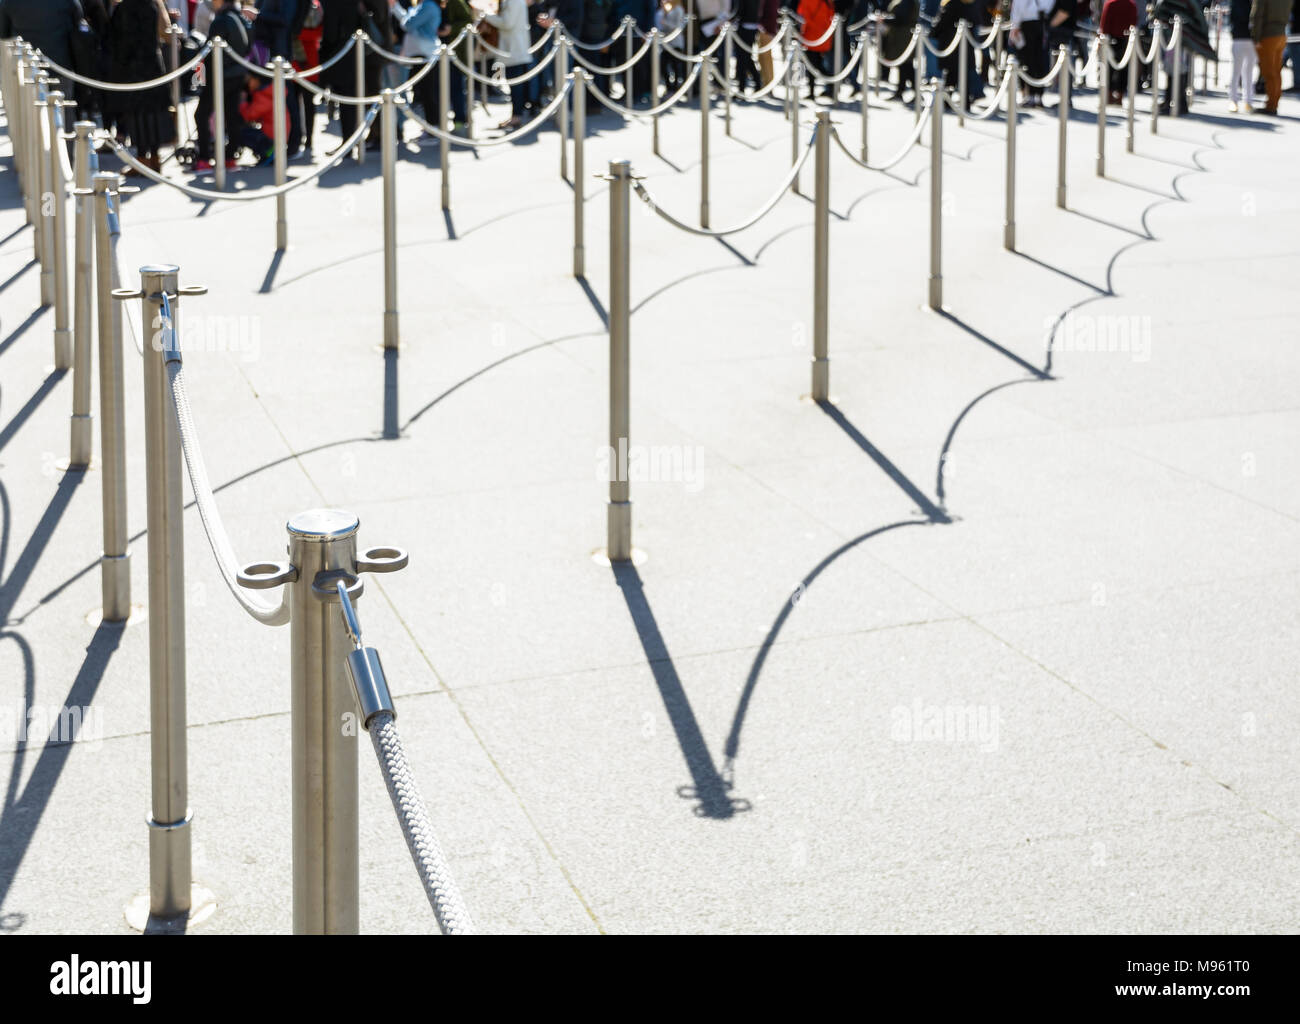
(421, 22)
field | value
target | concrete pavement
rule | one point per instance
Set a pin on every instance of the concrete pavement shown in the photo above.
(1002, 640)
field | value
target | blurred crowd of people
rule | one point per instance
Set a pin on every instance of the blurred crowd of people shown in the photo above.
(129, 41)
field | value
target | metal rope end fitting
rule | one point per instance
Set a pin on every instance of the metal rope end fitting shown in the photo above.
(365, 668)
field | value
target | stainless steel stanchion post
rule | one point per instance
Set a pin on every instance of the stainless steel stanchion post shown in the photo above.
(1009, 216)
(788, 86)
(388, 133)
(936, 195)
(918, 72)
(178, 108)
(359, 69)
(656, 45)
(880, 71)
(83, 290)
(32, 120)
(1103, 98)
(728, 51)
(45, 223)
(444, 118)
(796, 55)
(821, 257)
(57, 197)
(1157, 64)
(628, 40)
(866, 90)
(1130, 131)
(169, 824)
(472, 41)
(963, 60)
(619, 509)
(999, 59)
(837, 56)
(1176, 95)
(324, 714)
(218, 87)
(16, 111)
(115, 565)
(280, 113)
(561, 112)
(1062, 122)
(705, 102)
(579, 78)
(326, 867)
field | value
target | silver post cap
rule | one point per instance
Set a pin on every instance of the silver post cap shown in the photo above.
(319, 525)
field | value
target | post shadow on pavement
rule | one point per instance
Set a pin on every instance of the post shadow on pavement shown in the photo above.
(391, 427)
(709, 788)
(596, 304)
(22, 415)
(732, 747)
(16, 231)
(957, 321)
(268, 282)
(929, 509)
(22, 328)
(16, 579)
(21, 812)
(1057, 270)
(18, 273)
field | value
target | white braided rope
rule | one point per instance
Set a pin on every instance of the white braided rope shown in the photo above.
(413, 816)
(213, 528)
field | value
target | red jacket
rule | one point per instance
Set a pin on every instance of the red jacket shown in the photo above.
(260, 109)
(816, 16)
